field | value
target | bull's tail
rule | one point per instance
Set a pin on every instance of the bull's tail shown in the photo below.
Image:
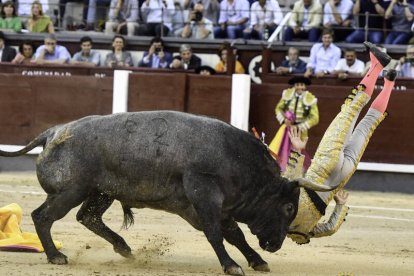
(38, 141)
(128, 217)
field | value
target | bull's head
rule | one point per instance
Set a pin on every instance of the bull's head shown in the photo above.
(277, 208)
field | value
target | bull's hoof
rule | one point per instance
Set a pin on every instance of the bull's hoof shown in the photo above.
(59, 259)
(261, 267)
(234, 270)
(124, 252)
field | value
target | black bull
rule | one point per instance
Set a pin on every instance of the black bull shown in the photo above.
(206, 171)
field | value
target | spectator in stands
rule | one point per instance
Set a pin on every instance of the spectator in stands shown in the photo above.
(210, 11)
(24, 8)
(51, 52)
(93, 7)
(118, 57)
(401, 14)
(293, 64)
(9, 21)
(349, 66)
(198, 26)
(305, 27)
(178, 20)
(26, 53)
(159, 18)
(122, 14)
(411, 41)
(221, 66)
(337, 15)
(86, 56)
(39, 22)
(205, 70)
(265, 16)
(186, 60)
(156, 57)
(234, 15)
(7, 53)
(62, 8)
(407, 63)
(376, 10)
(323, 56)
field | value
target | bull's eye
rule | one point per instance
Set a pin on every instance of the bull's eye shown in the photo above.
(289, 209)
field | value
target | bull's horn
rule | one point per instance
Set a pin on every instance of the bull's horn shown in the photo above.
(305, 183)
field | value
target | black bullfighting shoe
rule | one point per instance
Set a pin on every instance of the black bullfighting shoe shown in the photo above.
(382, 57)
(391, 75)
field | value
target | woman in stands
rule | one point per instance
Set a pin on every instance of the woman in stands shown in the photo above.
(9, 21)
(26, 53)
(39, 22)
(221, 67)
(118, 57)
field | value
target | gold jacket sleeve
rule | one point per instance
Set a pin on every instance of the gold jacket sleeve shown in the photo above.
(294, 168)
(332, 225)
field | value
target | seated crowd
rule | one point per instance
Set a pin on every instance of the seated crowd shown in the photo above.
(325, 58)
(389, 22)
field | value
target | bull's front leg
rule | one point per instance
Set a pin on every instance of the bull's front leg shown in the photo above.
(207, 199)
(234, 235)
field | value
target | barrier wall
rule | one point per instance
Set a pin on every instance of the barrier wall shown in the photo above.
(31, 104)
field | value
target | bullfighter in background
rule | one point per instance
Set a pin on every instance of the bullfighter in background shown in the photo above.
(297, 108)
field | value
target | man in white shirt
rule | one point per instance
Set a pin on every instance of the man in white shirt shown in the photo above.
(337, 15)
(323, 56)
(349, 66)
(234, 15)
(159, 18)
(265, 16)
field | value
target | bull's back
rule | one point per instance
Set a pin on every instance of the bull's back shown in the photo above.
(136, 155)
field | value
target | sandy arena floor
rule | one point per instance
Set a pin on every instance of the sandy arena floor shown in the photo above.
(376, 239)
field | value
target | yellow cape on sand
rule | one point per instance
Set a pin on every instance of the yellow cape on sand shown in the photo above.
(12, 238)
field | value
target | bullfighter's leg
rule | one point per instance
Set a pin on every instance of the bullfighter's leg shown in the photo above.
(361, 135)
(203, 191)
(54, 208)
(234, 235)
(329, 158)
(90, 215)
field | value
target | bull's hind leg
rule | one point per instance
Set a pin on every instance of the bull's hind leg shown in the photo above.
(90, 215)
(54, 208)
(234, 235)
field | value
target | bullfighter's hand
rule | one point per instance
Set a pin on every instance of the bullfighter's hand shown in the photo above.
(298, 144)
(341, 197)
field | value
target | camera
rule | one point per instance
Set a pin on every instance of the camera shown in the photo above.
(198, 16)
(157, 50)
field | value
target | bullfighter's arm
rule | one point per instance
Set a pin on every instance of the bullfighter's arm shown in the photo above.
(335, 221)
